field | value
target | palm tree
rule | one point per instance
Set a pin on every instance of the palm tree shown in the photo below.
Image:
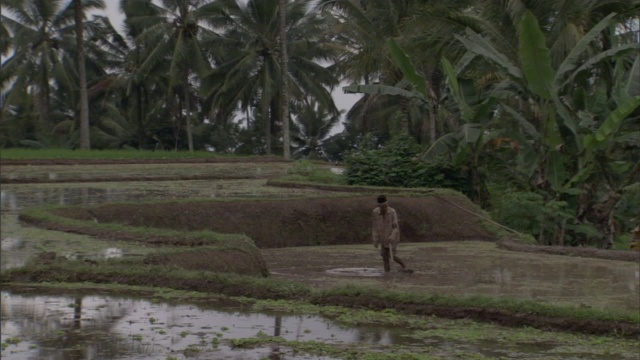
(85, 141)
(250, 71)
(38, 46)
(313, 124)
(284, 60)
(173, 32)
(365, 27)
(43, 36)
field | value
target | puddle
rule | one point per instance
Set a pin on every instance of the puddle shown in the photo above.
(366, 272)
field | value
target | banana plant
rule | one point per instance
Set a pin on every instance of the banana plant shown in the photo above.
(570, 148)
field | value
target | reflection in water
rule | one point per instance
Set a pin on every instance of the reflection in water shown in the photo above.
(111, 327)
(61, 327)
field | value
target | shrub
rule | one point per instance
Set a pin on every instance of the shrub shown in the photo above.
(397, 164)
(528, 212)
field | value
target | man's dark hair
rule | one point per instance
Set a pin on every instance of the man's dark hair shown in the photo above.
(382, 199)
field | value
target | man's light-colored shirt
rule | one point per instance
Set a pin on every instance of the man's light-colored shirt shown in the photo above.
(385, 228)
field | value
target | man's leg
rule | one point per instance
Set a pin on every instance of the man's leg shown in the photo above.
(397, 259)
(384, 252)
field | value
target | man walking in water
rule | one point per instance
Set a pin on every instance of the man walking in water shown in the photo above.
(386, 232)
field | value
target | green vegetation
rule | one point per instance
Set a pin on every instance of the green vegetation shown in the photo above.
(106, 154)
(136, 272)
(401, 299)
(396, 164)
(47, 214)
(503, 101)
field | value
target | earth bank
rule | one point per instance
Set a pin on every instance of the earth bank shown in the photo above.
(296, 222)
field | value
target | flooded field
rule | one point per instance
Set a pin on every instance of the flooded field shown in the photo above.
(108, 327)
(124, 327)
(98, 326)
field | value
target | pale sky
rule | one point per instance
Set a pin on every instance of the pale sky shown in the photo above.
(343, 101)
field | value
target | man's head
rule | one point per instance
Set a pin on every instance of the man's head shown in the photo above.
(382, 202)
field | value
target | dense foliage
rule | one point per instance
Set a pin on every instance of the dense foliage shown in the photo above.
(397, 164)
(511, 102)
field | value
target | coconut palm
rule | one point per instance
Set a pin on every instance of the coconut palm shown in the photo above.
(44, 36)
(42, 33)
(250, 68)
(79, 8)
(172, 32)
(365, 27)
(284, 65)
(313, 124)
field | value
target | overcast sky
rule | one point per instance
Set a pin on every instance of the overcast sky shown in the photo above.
(343, 101)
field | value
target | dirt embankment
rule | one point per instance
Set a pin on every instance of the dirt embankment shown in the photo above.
(297, 222)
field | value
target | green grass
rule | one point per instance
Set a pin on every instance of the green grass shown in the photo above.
(223, 241)
(30, 154)
(134, 273)
(513, 305)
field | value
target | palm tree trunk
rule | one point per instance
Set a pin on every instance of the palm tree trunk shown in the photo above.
(284, 73)
(266, 114)
(85, 141)
(187, 105)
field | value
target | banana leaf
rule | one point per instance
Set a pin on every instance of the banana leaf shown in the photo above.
(443, 145)
(572, 59)
(477, 44)
(525, 125)
(633, 86)
(402, 61)
(466, 113)
(605, 55)
(535, 57)
(557, 172)
(612, 122)
(377, 89)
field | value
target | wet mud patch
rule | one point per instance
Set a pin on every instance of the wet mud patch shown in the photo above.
(358, 271)
(467, 268)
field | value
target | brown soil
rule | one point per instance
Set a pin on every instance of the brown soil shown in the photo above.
(296, 222)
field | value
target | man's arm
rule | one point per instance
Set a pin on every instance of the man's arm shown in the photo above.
(374, 233)
(394, 237)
